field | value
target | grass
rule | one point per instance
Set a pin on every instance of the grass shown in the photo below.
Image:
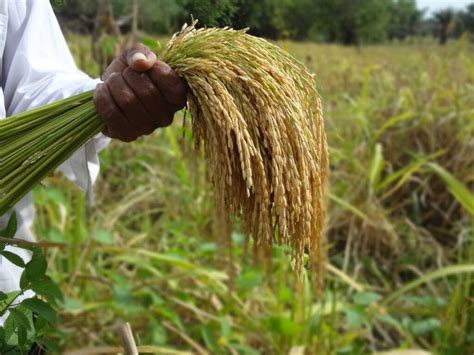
(400, 235)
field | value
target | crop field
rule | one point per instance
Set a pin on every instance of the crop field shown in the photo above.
(399, 242)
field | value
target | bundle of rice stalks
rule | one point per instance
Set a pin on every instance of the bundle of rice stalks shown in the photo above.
(254, 108)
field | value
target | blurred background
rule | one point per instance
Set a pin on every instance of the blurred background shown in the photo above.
(397, 82)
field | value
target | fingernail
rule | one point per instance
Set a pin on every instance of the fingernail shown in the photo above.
(139, 57)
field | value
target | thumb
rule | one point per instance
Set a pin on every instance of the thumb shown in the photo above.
(141, 58)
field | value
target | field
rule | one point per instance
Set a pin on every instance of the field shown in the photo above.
(400, 241)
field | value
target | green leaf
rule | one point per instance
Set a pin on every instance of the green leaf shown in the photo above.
(51, 346)
(9, 327)
(103, 236)
(355, 318)
(24, 282)
(10, 229)
(281, 324)
(425, 326)
(376, 167)
(72, 305)
(10, 298)
(41, 308)
(243, 349)
(209, 338)
(150, 43)
(21, 334)
(457, 189)
(36, 267)
(444, 272)
(47, 288)
(392, 121)
(388, 319)
(248, 280)
(13, 258)
(346, 205)
(366, 298)
(20, 318)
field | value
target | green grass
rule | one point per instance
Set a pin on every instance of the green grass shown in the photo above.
(400, 124)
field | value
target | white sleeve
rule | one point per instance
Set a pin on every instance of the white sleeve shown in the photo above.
(39, 69)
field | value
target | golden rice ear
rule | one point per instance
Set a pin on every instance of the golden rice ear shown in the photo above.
(258, 114)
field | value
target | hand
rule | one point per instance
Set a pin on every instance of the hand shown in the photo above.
(139, 94)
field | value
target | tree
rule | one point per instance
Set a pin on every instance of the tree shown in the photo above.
(446, 22)
(467, 19)
(266, 18)
(351, 21)
(209, 12)
(404, 19)
(160, 16)
(106, 34)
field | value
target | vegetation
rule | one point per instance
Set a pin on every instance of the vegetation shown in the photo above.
(343, 21)
(400, 234)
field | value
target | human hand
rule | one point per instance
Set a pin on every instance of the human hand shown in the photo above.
(138, 95)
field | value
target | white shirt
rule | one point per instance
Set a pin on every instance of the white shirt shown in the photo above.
(37, 68)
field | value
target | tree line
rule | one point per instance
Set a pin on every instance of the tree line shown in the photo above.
(341, 21)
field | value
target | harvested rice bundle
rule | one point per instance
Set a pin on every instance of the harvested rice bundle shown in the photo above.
(254, 108)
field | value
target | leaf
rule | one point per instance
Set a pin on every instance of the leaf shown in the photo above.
(7, 301)
(425, 326)
(13, 258)
(20, 318)
(41, 308)
(402, 175)
(9, 327)
(24, 282)
(243, 349)
(446, 271)
(249, 280)
(103, 236)
(36, 267)
(150, 43)
(47, 288)
(209, 338)
(281, 324)
(21, 334)
(388, 319)
(457, 188)
(344, 277)
(346, 205)
(392, 121)
(376, 167)
(10, 229)
(366, 298)
(355, 318)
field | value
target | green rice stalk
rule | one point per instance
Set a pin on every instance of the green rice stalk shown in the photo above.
(256, 112)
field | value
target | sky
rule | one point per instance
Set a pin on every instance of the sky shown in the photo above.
(434, 5)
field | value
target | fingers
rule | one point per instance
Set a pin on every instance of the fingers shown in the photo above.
(139, 94)
(173, 88)
(150, 97)
(112, 115)
(139, 58)
(130, 106)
